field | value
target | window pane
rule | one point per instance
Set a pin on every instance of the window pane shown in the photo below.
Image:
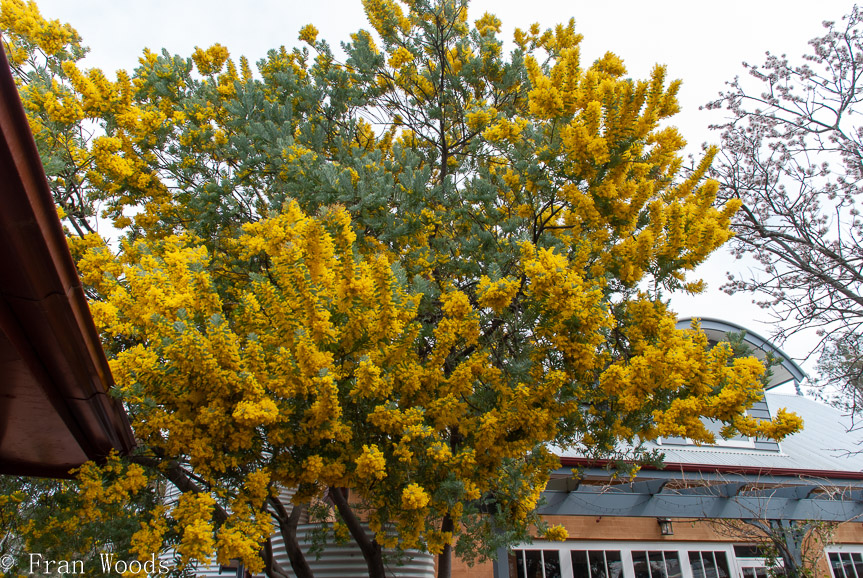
(848, 565)
(534, 563)
(749, 551)
(552, 563)
(615, 564)
(597, 564)
(657, 565)
(696, 564)
(579, 564)
(858, 563)
(836, 565)
(639, 563)
(722, 565)
(519, 564)
(672, 565)
(709, 565)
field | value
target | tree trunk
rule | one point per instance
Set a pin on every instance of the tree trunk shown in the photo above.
(370, 547)
(272, 568)
(288, 528)
(444, 559)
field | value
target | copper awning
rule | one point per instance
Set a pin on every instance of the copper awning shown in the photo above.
(55, 413)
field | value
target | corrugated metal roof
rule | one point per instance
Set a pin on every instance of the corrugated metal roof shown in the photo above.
(827, 443)
(827, 440)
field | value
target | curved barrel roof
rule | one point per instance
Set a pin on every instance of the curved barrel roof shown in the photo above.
(717, 330)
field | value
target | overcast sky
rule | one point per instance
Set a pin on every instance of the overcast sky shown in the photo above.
(702, 43)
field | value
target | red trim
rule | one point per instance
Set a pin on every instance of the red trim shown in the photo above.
(723, 469)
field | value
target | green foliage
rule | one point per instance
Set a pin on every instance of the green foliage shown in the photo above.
(48, 517)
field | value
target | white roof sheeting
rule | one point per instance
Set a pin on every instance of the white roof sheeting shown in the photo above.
(826, 444)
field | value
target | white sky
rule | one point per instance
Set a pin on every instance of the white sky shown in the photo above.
(702, 43)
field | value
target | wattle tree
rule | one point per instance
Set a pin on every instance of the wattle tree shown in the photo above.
(389, 282)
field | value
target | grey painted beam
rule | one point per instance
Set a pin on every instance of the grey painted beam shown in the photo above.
(591, 502)
(500, 565)
(722, 477)
(641, 487)
(728, 490)
(790, 492)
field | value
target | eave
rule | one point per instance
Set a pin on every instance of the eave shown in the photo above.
(55, 412)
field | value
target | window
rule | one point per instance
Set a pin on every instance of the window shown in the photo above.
(709, 565)
(846, 564)
(656, 564)
(597, 564)
(753, 559)
(715, 427)
(750, 551)
(535, 564)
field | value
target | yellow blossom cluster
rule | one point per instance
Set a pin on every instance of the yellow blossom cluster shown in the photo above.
(309, 34)
(401, 57)
(505, 130)
(151, 536)
(371, 464)
(194, 513)
(556, 533)
(387, 17)
(414, 497)
(112, 483)
(25, 23)
(68, 512)
(488, 23)
(210, 61)
(269, 370)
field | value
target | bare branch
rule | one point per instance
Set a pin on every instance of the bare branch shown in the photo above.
(793, 156)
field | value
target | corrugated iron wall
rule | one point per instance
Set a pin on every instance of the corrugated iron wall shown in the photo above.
(336, 560)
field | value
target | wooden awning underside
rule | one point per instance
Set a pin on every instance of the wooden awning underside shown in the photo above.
(55, 413)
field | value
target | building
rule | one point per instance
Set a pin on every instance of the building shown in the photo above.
(685, 520)
(673, 522)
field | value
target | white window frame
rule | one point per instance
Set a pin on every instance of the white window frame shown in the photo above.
(587, 553)
(841, 549)
(719, 442)
(534, 548)
(756, 563)
(626, 548)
